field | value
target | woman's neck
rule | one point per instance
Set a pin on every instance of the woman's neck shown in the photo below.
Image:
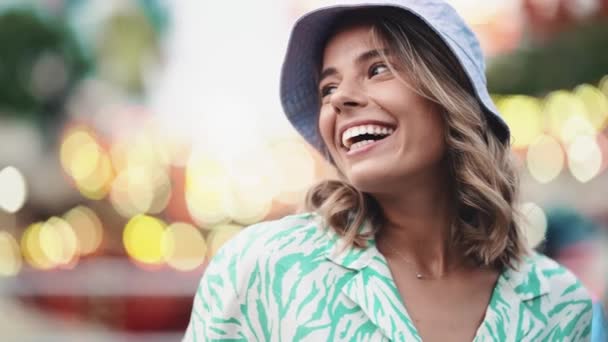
(417, 228)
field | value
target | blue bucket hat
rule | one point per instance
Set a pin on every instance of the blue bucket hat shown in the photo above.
(299, 94)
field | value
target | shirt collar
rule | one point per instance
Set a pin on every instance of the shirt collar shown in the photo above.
(526, 281)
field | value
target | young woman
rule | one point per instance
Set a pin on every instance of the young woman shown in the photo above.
(419, 239)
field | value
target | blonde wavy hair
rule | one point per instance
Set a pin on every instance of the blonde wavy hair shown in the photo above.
(486, 225)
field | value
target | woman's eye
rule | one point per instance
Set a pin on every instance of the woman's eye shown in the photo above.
(377, 69)
(327, 90)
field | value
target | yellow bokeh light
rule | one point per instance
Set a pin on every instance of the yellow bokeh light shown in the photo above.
(219, 235)
(183, 247)
(87, 228)
(80, 153)
(14, 190)
(32, 250)
(545, 159)
(596, 104)
(602, 143)
(253, 185)
(584, 158)
(138, 190)
(559, 107)
(603, 85)
(97, 185)
(206, 188)
(142, 239)
(10, 256)
(535, 223)
(119, 196)
(524, 116)
(58, 241)
(296, 170)
(574, 127)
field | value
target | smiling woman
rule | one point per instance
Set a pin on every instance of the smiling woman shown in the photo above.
(420, 237)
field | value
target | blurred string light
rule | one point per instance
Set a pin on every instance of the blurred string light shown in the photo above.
(535, 223)
(296, 169)
(596, 104)
(142, 184)
(584, 158)
(142, 238)
(51, 244)
(58, 242)
(253, 185)
(10, 256)
(219, 235)
(603, 86)
(524, 116)
(13, 189)
(566, 115)
(31, 247)
(138, 190)
(545, 159)
(602, 143)
(87, 228)
(183, 246)
(86, 162)
(206, 188)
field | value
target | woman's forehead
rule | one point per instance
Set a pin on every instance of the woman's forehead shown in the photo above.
(351, 42)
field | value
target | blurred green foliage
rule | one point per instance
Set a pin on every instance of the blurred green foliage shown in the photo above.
(26, 37)
(576, 56)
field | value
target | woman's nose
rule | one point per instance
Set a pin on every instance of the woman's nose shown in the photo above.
(348, 96)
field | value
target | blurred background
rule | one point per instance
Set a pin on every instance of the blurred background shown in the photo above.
(137, 136)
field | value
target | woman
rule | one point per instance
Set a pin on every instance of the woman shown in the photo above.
(419, 239)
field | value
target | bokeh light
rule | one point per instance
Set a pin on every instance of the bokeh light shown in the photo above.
(87, 228)
(596, 104)
(183, 246)
(296, 170)
(80, 152)
(602, 143)
(253, 185)
(206, 188)
(584, 158)
(535, 223)
(574, 127)
(31, 248)
(524, 116)
(142, 238)
(14, 190)
(219, 235)
(97, 184)
(58, 242)
(10, 256)
(545, 159)
(561, 108)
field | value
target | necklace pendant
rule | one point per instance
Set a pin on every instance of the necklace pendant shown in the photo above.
(418, 276)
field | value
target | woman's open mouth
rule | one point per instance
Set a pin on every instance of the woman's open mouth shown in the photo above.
(358, 137)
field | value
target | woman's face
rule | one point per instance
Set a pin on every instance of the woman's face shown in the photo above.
(377, 129)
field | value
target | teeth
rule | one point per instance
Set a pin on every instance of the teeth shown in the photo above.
(360, 144)
(363, 129)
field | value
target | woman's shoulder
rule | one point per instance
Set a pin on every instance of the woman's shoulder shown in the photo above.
(559, 282)
(558, 295)
(289, 234)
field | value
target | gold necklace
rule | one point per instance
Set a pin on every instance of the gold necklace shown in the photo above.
(419, 275)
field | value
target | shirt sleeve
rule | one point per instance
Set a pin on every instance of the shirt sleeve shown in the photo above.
(216, 311)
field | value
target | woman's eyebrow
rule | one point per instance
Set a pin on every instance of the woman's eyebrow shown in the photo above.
(371, 54)
(361, 59)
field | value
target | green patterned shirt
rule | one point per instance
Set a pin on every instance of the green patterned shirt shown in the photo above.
(288, 280)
